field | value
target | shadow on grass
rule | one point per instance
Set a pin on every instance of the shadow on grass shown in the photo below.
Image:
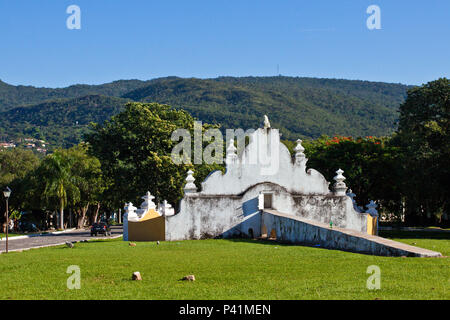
(101, 240)
(77, 243)
(259, 241)
(277, 243)
(402, 234)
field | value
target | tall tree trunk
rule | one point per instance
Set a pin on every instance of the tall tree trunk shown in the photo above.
(61, 215)
(82, 219)
(47, 220)
(95, 217)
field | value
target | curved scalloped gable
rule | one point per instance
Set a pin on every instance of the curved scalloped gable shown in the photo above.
(265, 159)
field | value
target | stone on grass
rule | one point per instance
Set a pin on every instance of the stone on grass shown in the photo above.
(69, 244)
(132, 244)
(190, 277)
(136, 276)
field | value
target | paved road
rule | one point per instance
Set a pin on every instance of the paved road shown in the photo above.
(49, 240)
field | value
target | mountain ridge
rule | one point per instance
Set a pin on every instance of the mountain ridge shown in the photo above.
(301, 107)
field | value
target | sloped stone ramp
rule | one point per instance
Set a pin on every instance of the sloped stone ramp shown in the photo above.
(294, 229)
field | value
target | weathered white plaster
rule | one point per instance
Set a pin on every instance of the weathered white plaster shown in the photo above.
(266, 190)
(230, 204)
(130, 212)
(165, 209)
(297, 230)
(339, 187)
(371, 209)
(355, 206)
(190, 185)
(265, 159)
(148, 203)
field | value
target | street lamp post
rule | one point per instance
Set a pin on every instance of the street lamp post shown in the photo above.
(7, 193)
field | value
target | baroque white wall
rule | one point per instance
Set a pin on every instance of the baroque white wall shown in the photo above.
(265, 159)
(227, 206)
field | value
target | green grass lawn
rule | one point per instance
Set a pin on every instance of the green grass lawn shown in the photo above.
(224, 269)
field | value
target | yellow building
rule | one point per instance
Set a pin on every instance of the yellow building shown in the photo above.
(146, 223)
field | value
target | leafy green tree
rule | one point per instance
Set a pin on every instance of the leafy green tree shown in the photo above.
(424, 138)
(59, 184)
(134, 149)
(87, 176)
(89, 181)
(371, 166)
(15, 164)
(67, 179)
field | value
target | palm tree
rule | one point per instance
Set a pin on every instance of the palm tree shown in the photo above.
(58, 181)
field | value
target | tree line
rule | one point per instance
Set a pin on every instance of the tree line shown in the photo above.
(407, 173)
(299, 107)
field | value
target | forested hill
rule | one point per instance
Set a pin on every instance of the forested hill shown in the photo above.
(300, 107)
(13, 96)
(61, 122)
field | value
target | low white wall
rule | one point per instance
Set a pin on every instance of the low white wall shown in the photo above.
(207, 216)
(125, 227)
(291, 229)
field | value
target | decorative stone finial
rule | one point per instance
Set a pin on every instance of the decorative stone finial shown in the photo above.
(371, 209)
(129, 208)
(166, 209)
(339, 186)
(266, 122)
(130, 212)
(190, 186)
(352, 196)
(300, 158)
(129, 215)
(231, 153)
(166, 204)
(148, 202)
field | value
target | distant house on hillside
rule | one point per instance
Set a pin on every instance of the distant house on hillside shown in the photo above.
(7, 145)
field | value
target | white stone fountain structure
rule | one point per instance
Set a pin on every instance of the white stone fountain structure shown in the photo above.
(264, 176)
(265, 188)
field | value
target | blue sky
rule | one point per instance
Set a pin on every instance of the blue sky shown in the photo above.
(145, 39)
